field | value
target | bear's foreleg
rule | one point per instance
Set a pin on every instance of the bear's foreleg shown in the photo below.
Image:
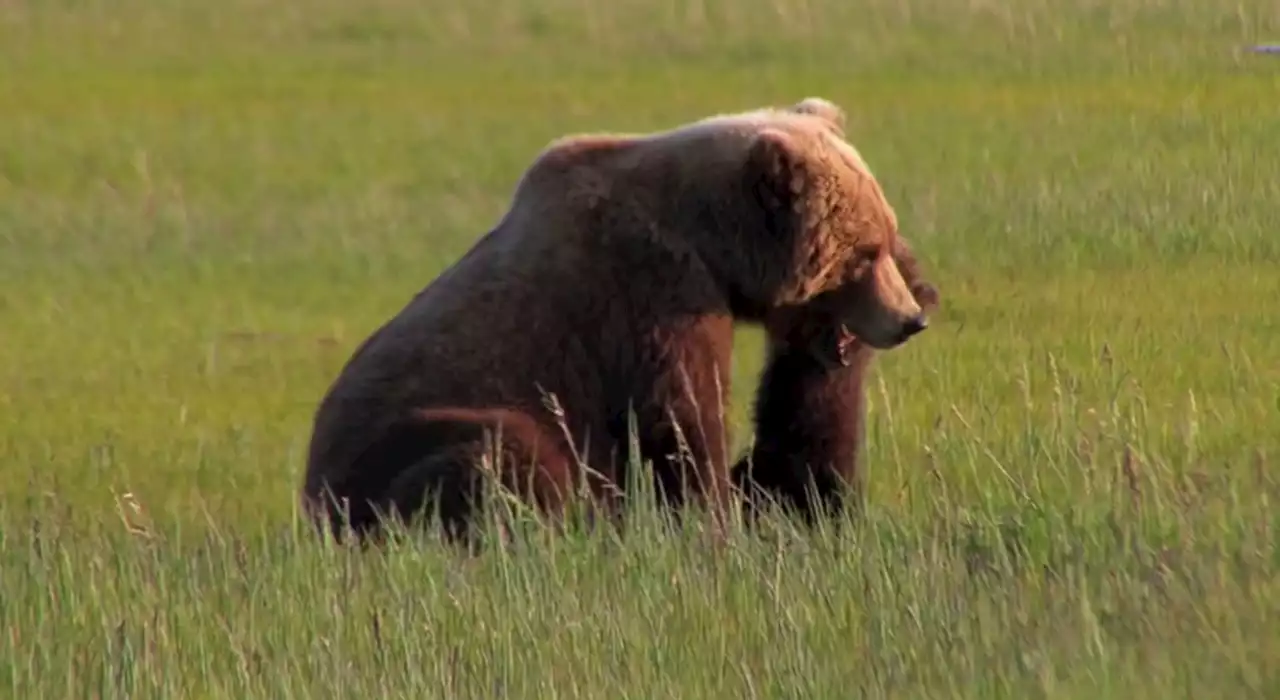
(808, 437)
(685, 436)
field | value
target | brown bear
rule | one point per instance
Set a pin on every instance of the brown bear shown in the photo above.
(809, 414)
(604, 300)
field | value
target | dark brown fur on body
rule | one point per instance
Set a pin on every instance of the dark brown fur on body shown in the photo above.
(524, 456)
(612, 284)
(809, 416)
(431, 453)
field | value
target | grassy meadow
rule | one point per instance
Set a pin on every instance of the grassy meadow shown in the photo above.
(204, 208)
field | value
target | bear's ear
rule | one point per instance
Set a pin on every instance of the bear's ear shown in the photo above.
(926, 295)
(775, 163)
(823, 109)
(775, 178)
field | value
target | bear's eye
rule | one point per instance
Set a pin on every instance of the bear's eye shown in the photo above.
(866, 254)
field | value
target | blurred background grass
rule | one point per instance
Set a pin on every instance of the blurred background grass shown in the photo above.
(205, 207)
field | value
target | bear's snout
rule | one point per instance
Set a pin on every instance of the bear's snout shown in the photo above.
(913, 326)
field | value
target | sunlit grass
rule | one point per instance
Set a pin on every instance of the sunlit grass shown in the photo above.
(205, 207)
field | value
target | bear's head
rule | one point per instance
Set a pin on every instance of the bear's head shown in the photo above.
(818, 328)
(839, 234)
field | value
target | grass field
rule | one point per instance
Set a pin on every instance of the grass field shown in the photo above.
(204, 207)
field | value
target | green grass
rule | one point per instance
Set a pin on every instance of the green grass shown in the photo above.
(204, 207)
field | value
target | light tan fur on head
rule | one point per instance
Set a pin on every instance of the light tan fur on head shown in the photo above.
(826, 109)
(850, 231)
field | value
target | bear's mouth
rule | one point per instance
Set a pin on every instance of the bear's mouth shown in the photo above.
(846, 344)
(836, 347)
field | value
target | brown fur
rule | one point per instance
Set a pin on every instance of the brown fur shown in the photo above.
(809, 416)
(526, 458)
(611, 283)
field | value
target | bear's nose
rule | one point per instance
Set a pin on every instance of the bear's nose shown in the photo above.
(914, 325)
